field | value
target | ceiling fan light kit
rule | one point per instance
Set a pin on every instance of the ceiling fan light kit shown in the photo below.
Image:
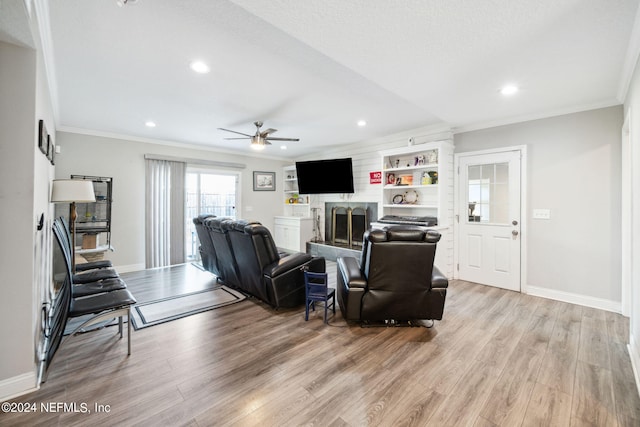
(260, 139)
(258, 143)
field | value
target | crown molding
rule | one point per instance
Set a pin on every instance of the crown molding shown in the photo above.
(191, 146)
(46, 44)
(535, 116)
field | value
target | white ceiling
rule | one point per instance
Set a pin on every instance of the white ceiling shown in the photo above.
(313, 68)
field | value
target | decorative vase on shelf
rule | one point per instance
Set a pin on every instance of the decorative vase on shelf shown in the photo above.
(426, 179)
(434, 176)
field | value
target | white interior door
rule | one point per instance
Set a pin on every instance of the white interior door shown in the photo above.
(489, 218)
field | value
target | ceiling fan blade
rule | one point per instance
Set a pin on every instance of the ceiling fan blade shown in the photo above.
(239, 138)
(267, 132)
(233, 131)
(283, 139)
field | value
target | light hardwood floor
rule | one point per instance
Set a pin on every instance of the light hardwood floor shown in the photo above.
(496, 358)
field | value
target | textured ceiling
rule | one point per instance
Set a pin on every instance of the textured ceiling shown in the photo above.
(313, 68)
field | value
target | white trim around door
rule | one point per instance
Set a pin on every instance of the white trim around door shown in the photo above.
(522, 226)
(627, 216)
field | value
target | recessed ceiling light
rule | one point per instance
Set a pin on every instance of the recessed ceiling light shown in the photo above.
(509, 90)
(199, 67)
(283, 147)
(150, 124)
(362, 123)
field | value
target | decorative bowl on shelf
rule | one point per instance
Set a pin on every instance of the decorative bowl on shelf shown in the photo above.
(410, 197)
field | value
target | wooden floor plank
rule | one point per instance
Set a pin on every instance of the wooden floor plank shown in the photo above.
(593, 401)
(548, 407)
(463, 405)
(593, 347)
(496, 358)
(559, 365)
(625, 391)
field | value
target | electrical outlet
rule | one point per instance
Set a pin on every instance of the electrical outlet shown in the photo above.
(541, 214)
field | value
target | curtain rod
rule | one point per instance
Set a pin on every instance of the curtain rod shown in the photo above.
(196, 161)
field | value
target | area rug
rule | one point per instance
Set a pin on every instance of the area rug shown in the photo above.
(164, 310)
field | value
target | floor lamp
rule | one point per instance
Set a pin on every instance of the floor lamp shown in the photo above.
(72, 191)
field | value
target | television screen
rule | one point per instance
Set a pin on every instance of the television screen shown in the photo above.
(325, 176)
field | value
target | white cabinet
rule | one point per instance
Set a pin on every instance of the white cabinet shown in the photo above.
(294, 203)
(293, 233)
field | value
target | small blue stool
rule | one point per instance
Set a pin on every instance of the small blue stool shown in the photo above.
(317, 289)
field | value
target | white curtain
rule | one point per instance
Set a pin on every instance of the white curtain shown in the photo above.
(165, 201)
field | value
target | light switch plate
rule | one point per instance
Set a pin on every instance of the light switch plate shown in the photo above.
(541, 214)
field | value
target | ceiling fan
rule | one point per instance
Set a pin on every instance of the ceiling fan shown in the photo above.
(260, 139)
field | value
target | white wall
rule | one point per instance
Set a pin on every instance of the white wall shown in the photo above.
(123, 160)
(25, 175)
(632, 111)
(17, 109)
(573, 170)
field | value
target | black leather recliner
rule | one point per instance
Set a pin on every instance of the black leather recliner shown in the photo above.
(207, 250)
(248, 259)
(227, 270)
(396, 278)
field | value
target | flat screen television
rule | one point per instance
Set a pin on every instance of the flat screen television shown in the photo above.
(325, 176)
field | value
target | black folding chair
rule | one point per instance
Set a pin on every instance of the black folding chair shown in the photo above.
(104, 305)
(91, 281)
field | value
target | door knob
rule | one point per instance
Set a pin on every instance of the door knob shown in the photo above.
(514, 222)
(514, 233)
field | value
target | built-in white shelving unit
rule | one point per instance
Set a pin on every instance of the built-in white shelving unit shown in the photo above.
(295, 227)
(417, 181)
(294, 203)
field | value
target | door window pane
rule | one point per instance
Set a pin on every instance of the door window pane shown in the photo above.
(488, 193)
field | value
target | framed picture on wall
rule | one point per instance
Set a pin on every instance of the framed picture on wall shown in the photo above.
(43, 138)
(264, 181)
(51, 150)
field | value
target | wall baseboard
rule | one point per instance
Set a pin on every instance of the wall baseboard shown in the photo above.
(129, 268)
(593, 302)
(17, 386)
(632, 347)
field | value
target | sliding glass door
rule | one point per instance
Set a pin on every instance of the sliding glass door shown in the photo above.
(211, 192)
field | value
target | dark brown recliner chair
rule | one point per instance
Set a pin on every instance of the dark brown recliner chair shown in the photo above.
(396, 278)
(207, 250)
(264, 273)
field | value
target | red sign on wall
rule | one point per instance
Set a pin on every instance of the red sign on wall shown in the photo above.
(375, 177)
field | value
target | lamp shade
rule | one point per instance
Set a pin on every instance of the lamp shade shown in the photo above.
(72, 190)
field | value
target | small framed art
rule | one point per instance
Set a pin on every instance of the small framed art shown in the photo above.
(43, 138)
(51, 150)
(264, 181)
